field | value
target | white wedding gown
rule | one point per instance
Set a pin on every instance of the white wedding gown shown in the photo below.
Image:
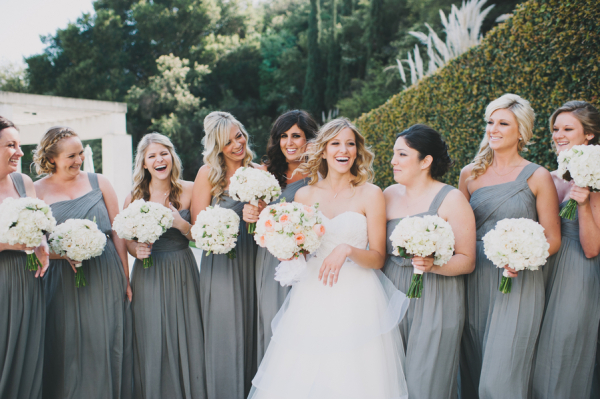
(341, 341)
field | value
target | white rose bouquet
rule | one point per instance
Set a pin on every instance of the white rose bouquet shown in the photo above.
(25, 221)
(251, 185)
(580, 163)
(287, 230)
(216, 230)
(79, 240)
(143, 221)
(517, 243)
(423, 236)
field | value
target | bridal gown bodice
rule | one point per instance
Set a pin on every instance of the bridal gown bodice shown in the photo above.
(346, 228)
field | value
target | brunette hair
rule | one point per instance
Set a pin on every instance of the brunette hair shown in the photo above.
(427, 141)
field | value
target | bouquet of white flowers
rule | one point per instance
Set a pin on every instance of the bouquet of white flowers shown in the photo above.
(79, 240)
(517, 243)
(216, 230)
(143, 221)
(287, 230)
(25, 221)
(580, 163)
(251, 185)
(423, 236)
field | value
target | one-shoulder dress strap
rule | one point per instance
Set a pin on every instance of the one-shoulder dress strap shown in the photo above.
(439, 198)
(93, 180)
(527, 171)
(19, 184)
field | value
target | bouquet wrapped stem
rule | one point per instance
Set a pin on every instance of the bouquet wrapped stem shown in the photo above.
(32, 261)
(416, 285)
(570, 210)
(80, 277)
(251, 228)
(148, 262)
(505, 284)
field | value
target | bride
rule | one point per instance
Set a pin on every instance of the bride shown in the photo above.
(336, 334)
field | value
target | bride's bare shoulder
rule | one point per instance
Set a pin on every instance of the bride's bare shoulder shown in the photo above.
(306, 194)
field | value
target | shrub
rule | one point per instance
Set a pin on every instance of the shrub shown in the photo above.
(548, 53)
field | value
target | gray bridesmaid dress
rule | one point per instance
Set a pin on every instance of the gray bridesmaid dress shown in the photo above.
(88, 346)
(21, 323)
(500, 329)
(228, 306)
(168, 338)
(433, 325)
(566, 352)
(270, 294)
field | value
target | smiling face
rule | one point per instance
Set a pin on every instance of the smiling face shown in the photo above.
(502, 130)
(293, 143)
(235, 149)
(158, 161)
(70, 156)
(340, 152)
(407, 163)
(568, 132)
(10, 150)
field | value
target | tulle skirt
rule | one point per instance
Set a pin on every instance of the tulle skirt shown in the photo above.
(336, 342)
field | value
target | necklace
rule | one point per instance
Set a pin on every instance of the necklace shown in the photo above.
(506, 174)
(339, 191)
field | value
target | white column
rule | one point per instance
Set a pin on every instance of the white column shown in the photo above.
(6, 110)
(117, 163)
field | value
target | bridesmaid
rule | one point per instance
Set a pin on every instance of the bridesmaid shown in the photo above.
(168, 340)
(21, 291)
(433, 325)
(566, 352)
(88, 329)
(228, 286)
(501, 329)
(287, 144)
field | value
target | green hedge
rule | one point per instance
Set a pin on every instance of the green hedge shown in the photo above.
(548, 53)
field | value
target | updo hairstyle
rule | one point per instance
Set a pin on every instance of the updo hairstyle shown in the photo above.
(427, 141)
(49, 148)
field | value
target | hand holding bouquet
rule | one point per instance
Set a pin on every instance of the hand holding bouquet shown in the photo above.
(517, 243)
(216, 230)
(25, 221)
(143, 221)
(581, 163)
(423, 236)
(79, 240)
(251, 185)
(287, 230)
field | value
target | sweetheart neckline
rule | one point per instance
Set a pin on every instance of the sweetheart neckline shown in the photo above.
(340, 214)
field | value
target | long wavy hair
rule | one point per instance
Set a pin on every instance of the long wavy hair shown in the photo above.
(362, 168)
(217, 126)
(525, 118)
(142, 176)
(276, 161)
(586, 114)
(49, 148)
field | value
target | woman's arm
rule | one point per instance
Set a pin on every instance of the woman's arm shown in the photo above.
(588, 209)
(200, 192)
(546, 202)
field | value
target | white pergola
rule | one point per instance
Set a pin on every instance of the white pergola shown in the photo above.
(35, 114)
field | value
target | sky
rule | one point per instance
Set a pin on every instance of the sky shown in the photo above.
(23, 21)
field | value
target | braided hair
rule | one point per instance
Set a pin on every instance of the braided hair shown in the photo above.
(48, 148)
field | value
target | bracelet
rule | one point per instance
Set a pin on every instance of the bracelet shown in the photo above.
(188, 232)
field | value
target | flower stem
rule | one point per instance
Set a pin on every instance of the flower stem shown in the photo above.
(33, 262)
(231, 254)
(80, 278)
(416, 286)
(251, 228)
(505, 285)
(570, 210)
(148, 262)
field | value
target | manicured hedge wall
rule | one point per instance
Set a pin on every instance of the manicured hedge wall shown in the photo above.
(548, 53)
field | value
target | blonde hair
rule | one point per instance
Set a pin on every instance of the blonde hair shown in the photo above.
(362, 168)
(142, 176)
(525, 117)
(49, 148)
(217, 127)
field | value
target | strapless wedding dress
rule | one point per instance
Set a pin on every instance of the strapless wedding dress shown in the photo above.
(341, 341)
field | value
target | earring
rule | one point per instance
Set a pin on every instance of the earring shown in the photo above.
(520, 138)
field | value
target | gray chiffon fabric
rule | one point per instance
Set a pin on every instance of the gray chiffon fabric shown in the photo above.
(228, 305)
(270, 294)
(168, 338)
(433, 325)
(500, 329)
(88, 346)
(22, 318)
(566, 351)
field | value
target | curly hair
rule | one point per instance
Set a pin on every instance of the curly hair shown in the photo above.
(49, 148)
(586, 114)
(427, 141)
(217, 126)
(142, 177)
(276, 161)
(362, 168)
(525, 116)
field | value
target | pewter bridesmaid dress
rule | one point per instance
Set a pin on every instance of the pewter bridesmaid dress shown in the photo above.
(433, 325)
(228, 305)
(270, 293)
(88, 347)
(21, 323)
(168, 338)
(500, 329)
(566, 351)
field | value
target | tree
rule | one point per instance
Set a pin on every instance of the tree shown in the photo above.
(312, 95)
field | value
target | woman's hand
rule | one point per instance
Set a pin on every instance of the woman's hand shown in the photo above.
(423, 264)
(330, 269)
(511, 272)
(142, 250)
(43, 254)
(581, 195)
(178, 222)
(251, 213)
